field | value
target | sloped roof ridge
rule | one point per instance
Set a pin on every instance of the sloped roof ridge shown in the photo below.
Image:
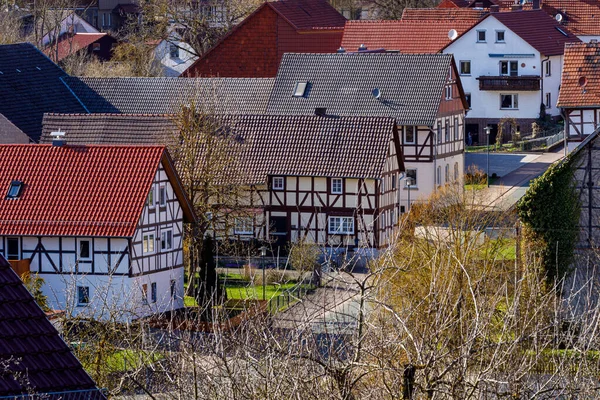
(92, 115)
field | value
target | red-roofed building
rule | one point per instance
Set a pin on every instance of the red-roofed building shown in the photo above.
(103, 225)
(253, 49)
(579, 96)
(437, 14)
(98, 44)
(510, 65)
(406, 36)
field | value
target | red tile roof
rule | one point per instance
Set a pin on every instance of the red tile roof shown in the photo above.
(308, 14)
(538, 29)
(453, 3)
(580, 85)
(76, 190)
(407, 36)
(438, 14)
(580, 17)
(71, 44)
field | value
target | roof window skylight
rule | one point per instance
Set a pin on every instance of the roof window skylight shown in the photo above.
(300, 89)
(15, 189)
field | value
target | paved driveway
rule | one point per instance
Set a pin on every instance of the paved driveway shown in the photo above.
(500, 164)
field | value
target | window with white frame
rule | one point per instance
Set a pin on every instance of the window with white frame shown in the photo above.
(148, 243)
(150, 199)
(456, 131)
(548, 68)
(340, 225)
(548, 102)
(499, 36)
(481, 36)
(166, 239)
(447, 131)
(243, 226)
(393, 181)
(411, 175)
(162, 195)
(84, 249)
(439, 132)
(278, 183)
(83, 295)
(448, 92)
(465, 67)
(409, 134)
(439, 175)
(153, 294)
(337, 186)
(509, 68)
(509, 101)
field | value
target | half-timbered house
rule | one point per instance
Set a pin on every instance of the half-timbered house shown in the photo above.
(422, 92)
(329, 180)
(579, 97)
(102, 225)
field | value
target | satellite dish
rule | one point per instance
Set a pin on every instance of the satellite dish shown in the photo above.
(452, 34)
(559, 17)
(376, 93)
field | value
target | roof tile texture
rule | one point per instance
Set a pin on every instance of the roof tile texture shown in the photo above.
(75, 190)
(411, 85)
(40, 356)
(407, 36)
(30, 85)
(580, 85)
(71, 44)
(308, 14)
(168, 95)
(579, 16)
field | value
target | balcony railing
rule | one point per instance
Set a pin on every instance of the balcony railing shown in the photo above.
(513, 83)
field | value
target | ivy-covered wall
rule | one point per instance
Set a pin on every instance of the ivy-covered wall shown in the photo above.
(550, 211)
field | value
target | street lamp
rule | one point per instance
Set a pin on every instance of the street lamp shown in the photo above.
(487, 130)
(263, 254)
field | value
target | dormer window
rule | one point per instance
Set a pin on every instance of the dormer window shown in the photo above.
(15, 189)
(300, 89)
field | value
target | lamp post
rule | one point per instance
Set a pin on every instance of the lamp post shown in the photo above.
(263, 254)
(487, 130)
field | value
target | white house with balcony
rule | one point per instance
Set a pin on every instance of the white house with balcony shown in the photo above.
(510, 63)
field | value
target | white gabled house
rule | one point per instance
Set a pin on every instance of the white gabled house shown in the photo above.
(510, 64)
(102, 225)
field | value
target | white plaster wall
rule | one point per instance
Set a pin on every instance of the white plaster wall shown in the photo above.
(486, 104)
(174, 67)
(588, 38)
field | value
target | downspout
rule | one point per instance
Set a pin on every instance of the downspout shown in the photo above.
(542, 79)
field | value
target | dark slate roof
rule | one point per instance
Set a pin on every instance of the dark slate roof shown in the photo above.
(411, 85)
(166, 95)
(82, 129)
(304, 145)
(30, 86)
(9, 133)
(33, 357)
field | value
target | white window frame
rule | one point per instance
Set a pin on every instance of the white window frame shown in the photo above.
(165, 244)
(456, 131)
(10, 256)
(278, 183)
(439, 175)
(513, 105)
(414, 178)
(414, 134)
(337, 186)
(83, 303)
(548, 68)
(79, 256)
(448, 92)
(503, 36)
(243, 226)
(339, 225)
(548, 100)
(150, 201)
(162, 195)
(447, 130)
(508, 63)
(465, 62)
(484, 36)
(148, 243)
(300, 89)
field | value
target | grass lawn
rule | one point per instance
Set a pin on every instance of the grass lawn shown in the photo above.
(480, 186)
(504, 249)
(256, 292)
(124, 360)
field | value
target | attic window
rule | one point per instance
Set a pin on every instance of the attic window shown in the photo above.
(14, 191)
(300, 89)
